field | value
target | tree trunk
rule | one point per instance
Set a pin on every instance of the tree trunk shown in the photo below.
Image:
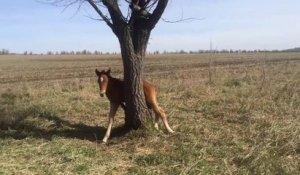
(133, 47)
(133, 33)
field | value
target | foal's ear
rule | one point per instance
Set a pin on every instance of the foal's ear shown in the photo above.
(97, 72)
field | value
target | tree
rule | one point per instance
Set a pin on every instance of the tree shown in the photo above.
(133, 32)
(4, 52)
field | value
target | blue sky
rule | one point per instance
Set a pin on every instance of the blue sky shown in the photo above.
(227, 24)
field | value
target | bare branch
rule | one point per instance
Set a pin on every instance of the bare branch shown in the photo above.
(157, 13)
(105, 18)
(92, 18)
(61, 3)
(115, 12)
(182, 20)
(150, 5)
(114, 20)
(65, 4)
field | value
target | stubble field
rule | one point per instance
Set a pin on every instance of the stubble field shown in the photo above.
(232, 114)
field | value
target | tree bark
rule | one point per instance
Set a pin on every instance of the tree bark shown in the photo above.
(133, 47)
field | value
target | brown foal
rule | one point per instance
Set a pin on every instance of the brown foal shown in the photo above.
(114, 90)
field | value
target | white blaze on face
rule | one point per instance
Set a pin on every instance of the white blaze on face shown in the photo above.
(102, 91)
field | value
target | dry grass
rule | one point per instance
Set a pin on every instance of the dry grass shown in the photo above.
(238, 116)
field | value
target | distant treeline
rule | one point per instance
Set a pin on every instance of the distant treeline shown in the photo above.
(217, 51)
(84, 52)
(4, 52)
(87, 52)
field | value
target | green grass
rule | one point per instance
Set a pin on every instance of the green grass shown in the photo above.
(244, 120)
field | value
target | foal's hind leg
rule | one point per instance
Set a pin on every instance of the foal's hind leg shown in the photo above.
(156, 121)
(160, 113)
(112, 113)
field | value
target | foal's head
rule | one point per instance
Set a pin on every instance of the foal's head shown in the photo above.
(103, 77)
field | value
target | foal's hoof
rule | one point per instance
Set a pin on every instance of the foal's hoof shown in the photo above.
(104, 141)
(172, 132)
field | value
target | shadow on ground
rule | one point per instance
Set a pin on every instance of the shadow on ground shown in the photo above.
(21, 128)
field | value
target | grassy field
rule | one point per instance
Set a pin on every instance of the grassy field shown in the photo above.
(232, 113)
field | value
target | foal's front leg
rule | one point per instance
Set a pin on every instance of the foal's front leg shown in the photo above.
(112, 113)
